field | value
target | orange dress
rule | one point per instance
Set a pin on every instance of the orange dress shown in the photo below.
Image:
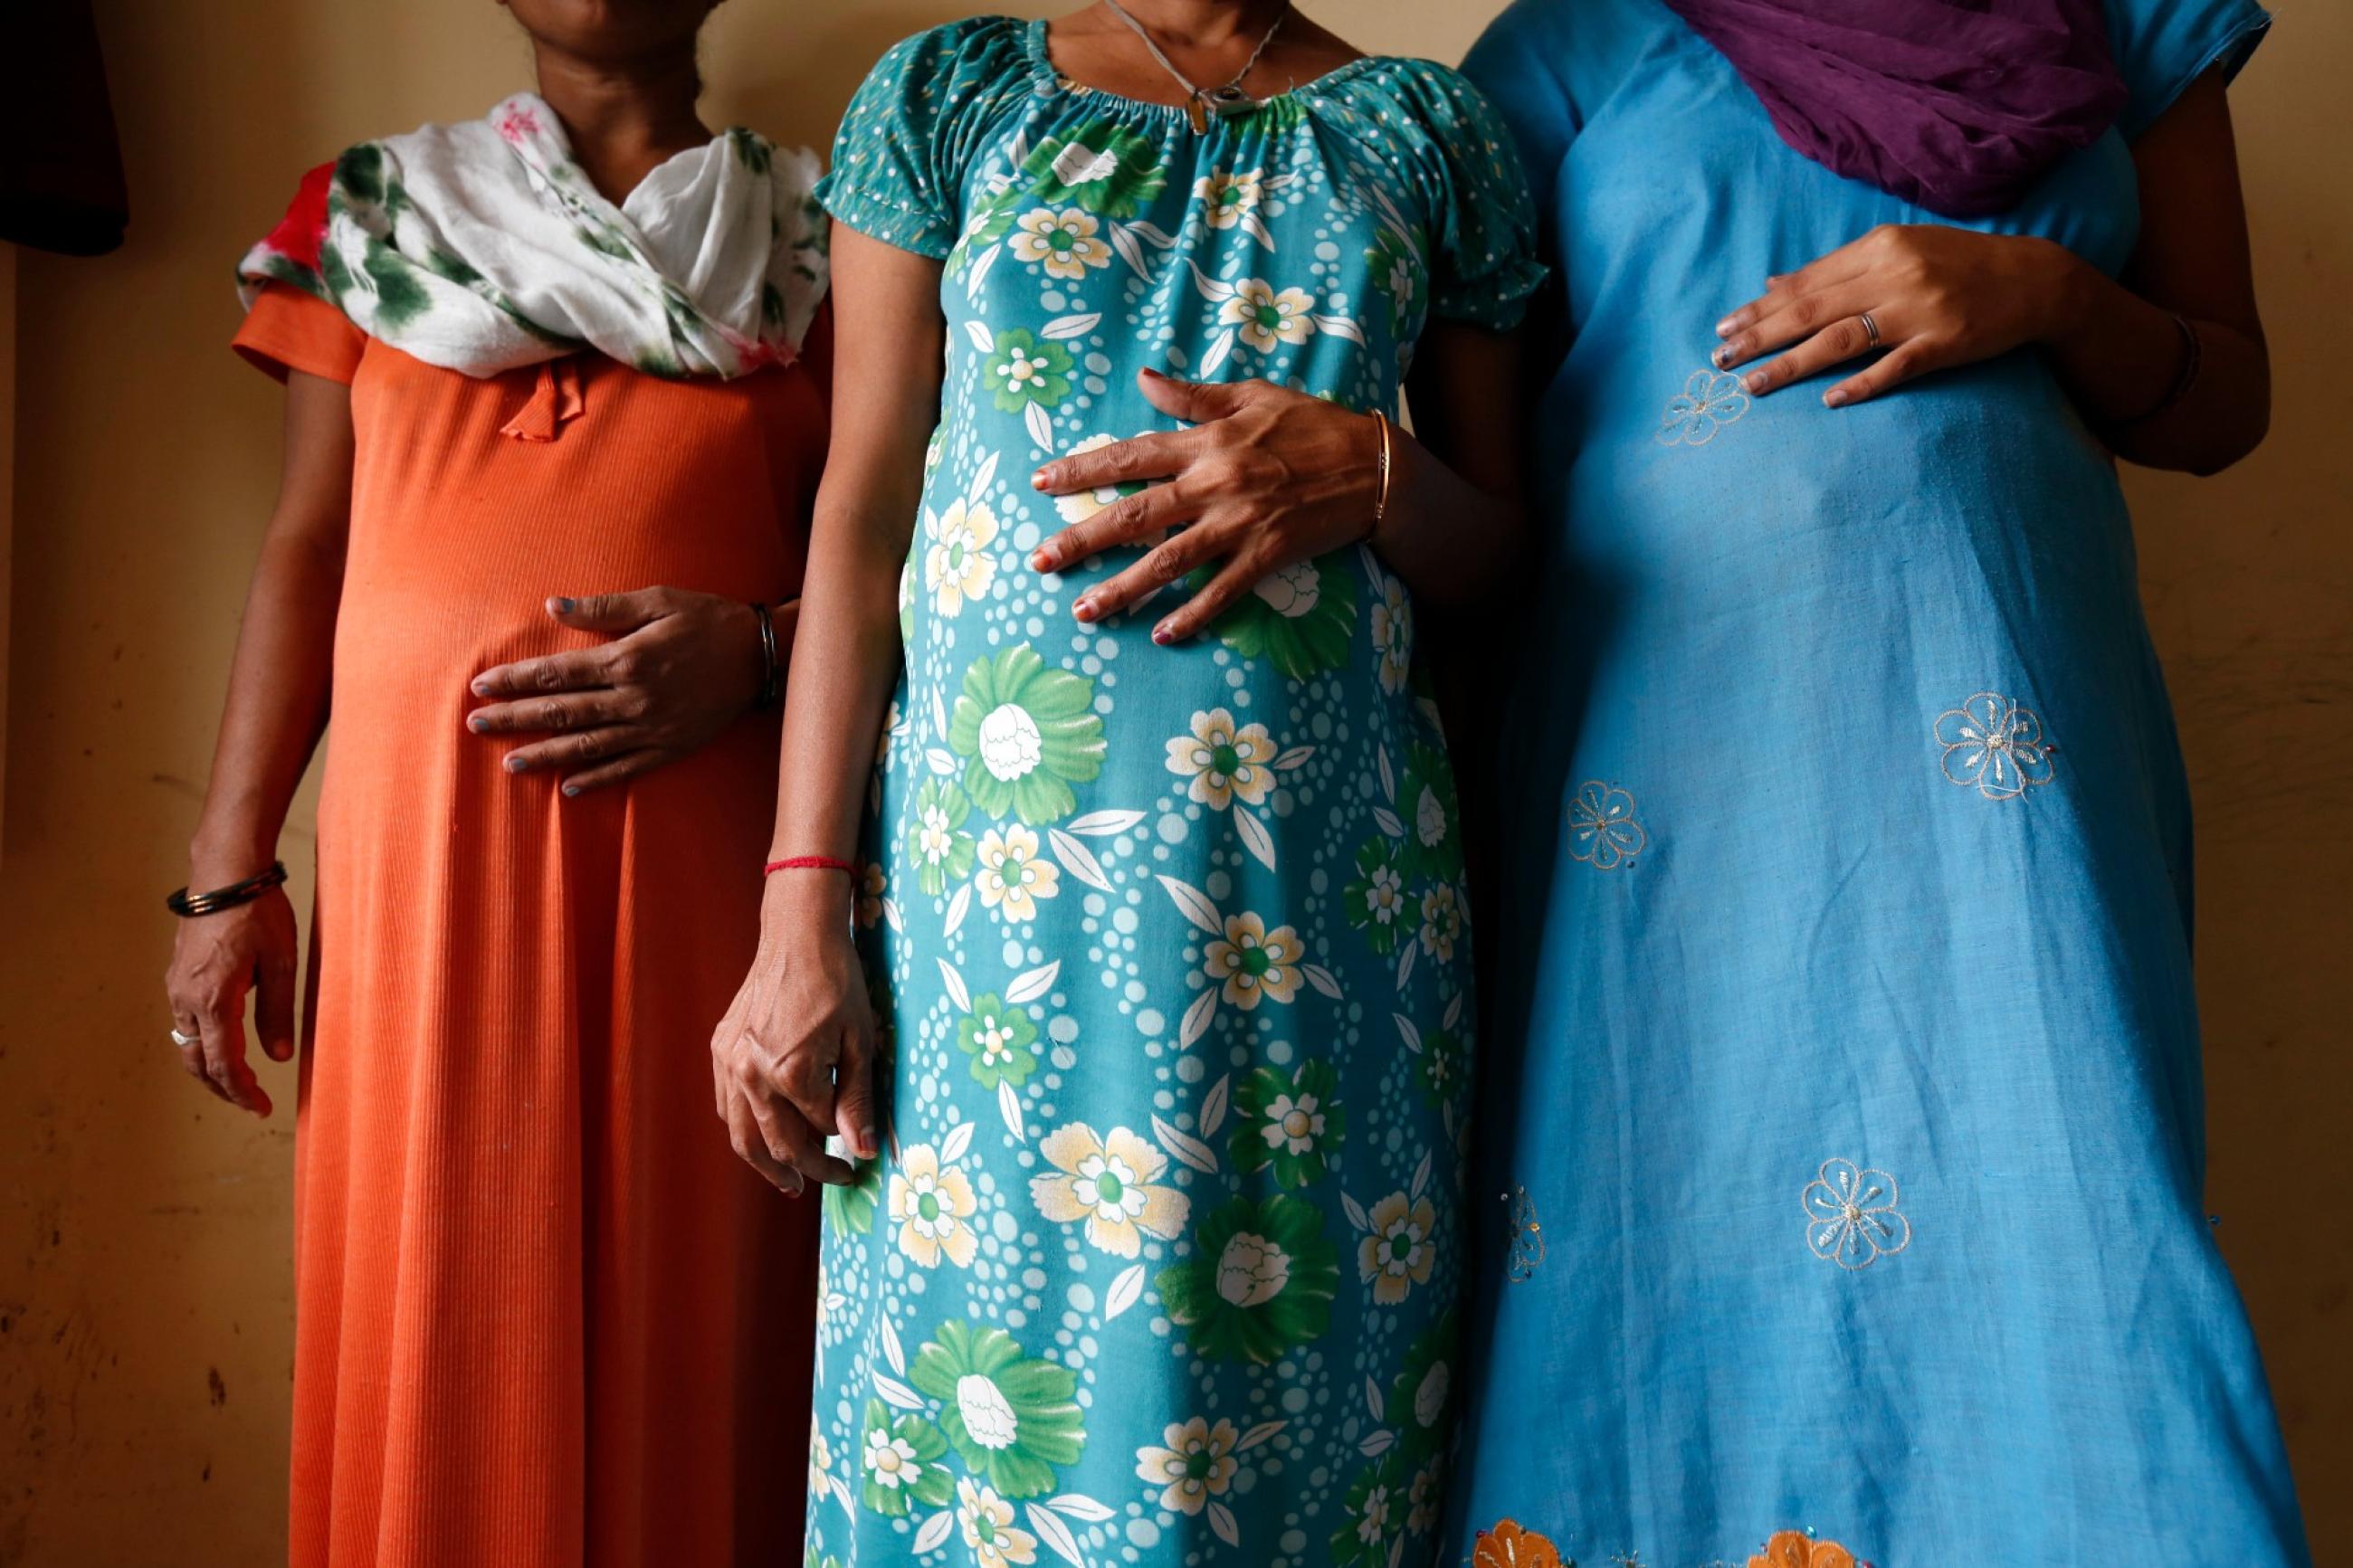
(545, 1316)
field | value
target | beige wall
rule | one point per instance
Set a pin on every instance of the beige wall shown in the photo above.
(145, 1305)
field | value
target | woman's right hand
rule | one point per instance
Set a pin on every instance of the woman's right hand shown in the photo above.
(794, 1059)
(216, 960)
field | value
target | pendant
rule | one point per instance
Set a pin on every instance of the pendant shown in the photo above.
(1199, 115)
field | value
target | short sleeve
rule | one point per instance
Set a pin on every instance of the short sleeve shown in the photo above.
(287, 330)
(2163, 46)
(915, 126)
(1483, 269)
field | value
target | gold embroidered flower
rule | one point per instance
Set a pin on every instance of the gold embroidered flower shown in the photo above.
(1795, 1549)
(1228, 198)
(1112, 1183)
(1063, 242)
(957, 566)
(1398, 1254)
(1012, 877)
(932, 1204)
(1196, 1464)
(1222, 761)
(1441, 921)
(1253, 961)
(1266, 318)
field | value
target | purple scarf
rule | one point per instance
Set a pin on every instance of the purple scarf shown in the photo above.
(1955, 105)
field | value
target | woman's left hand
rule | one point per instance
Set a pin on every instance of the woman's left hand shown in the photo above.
(1265, 477)
(1939, 296)
(681, 667)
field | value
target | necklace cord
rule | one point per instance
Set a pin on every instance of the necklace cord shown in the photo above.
(1228, 93)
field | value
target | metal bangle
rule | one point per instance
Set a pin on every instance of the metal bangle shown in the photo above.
(1381, 498)
(188, 906)
(2193, 359)
(772, 671)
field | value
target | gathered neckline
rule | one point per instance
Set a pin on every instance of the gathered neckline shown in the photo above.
(1050, 78)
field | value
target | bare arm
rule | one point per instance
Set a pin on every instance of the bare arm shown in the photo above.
(276, 711)
(1267, 476)
(793, 1060)
(1941, 296)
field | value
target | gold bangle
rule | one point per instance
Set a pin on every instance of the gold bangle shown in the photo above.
(1381, 499)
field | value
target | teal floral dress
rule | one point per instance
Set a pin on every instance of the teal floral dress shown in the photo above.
(1160, 1264)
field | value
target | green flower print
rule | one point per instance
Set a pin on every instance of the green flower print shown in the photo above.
(997, 1039)
(1293, 1123)
(987, 223)
(1298, 618)
(1372, 1516)
(1027, 735)
(1443, 1070)
(937, 845)
(1026, 372)
(1432, 814)
(1099, 165)
(1009, 1416)
(898, 1459)
(1397, 272)
(851, 1208)
(1376, 901)
(1259, 1282)
(1420, 1403)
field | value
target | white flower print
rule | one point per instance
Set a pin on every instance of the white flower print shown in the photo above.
(1251, 1270)
(1441, 921)
(1195, 1464)
(1253, 961)
(1085, 504)
(1265, 318)
(1602, 829)
(1392, 628)
(1851, 1216)
(1064, 242)
(1709, 400)
(891, 1462)
(1113, 1182)
(1291, 591)
(1012, 877)
(1222, 762)
(821, 1483)
(1026, 371)
(1293, 1124)
(1227, 199)
(957, 566)
(931, 1203)
(1996, 745)
(989, 1529)
(1398, 1254)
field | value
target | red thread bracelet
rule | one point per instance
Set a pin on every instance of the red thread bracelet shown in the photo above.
(812, 863)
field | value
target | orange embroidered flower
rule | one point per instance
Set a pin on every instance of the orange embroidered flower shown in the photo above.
(1509, 1546)
(1795, 1549)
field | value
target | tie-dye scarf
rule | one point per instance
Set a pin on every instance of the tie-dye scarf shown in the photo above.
(481, 247)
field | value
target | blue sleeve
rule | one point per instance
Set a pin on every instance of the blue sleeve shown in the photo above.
(1485, 266)
(912, 132)
(2163, 46)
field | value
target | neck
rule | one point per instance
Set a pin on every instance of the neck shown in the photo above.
(623, 121)
(1206, 24)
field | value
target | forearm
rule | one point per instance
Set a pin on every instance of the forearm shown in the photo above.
(276, 706)
(1450, 540)
(2121, 356)
(845, 662)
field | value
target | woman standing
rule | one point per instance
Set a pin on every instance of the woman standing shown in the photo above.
(1847, 1115)
(542, 1317)
(1158, 1254)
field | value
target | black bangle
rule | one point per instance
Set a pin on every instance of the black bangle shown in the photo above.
(2193, 357)
(188, 906)
(772, 664)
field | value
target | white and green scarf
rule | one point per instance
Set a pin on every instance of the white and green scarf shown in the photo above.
(482, 246)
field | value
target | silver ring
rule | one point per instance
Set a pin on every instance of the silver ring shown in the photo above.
(1870, 330)
(182, 1041)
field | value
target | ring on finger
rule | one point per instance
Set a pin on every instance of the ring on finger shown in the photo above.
(1870, 331)
(181, 1040)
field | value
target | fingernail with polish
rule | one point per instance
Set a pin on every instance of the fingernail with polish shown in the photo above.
(570, 790)
(1724, 328)
(1720, 356)
(562, 606)
(1084, 609)
(1042, 561)
(477, 725)
(1038, 480)
(1162, 636)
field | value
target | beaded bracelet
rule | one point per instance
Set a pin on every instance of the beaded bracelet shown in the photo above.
(188, 906)
(812, 863)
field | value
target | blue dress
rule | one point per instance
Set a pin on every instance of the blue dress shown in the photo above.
(1160, 1265)
(1843, 1170)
